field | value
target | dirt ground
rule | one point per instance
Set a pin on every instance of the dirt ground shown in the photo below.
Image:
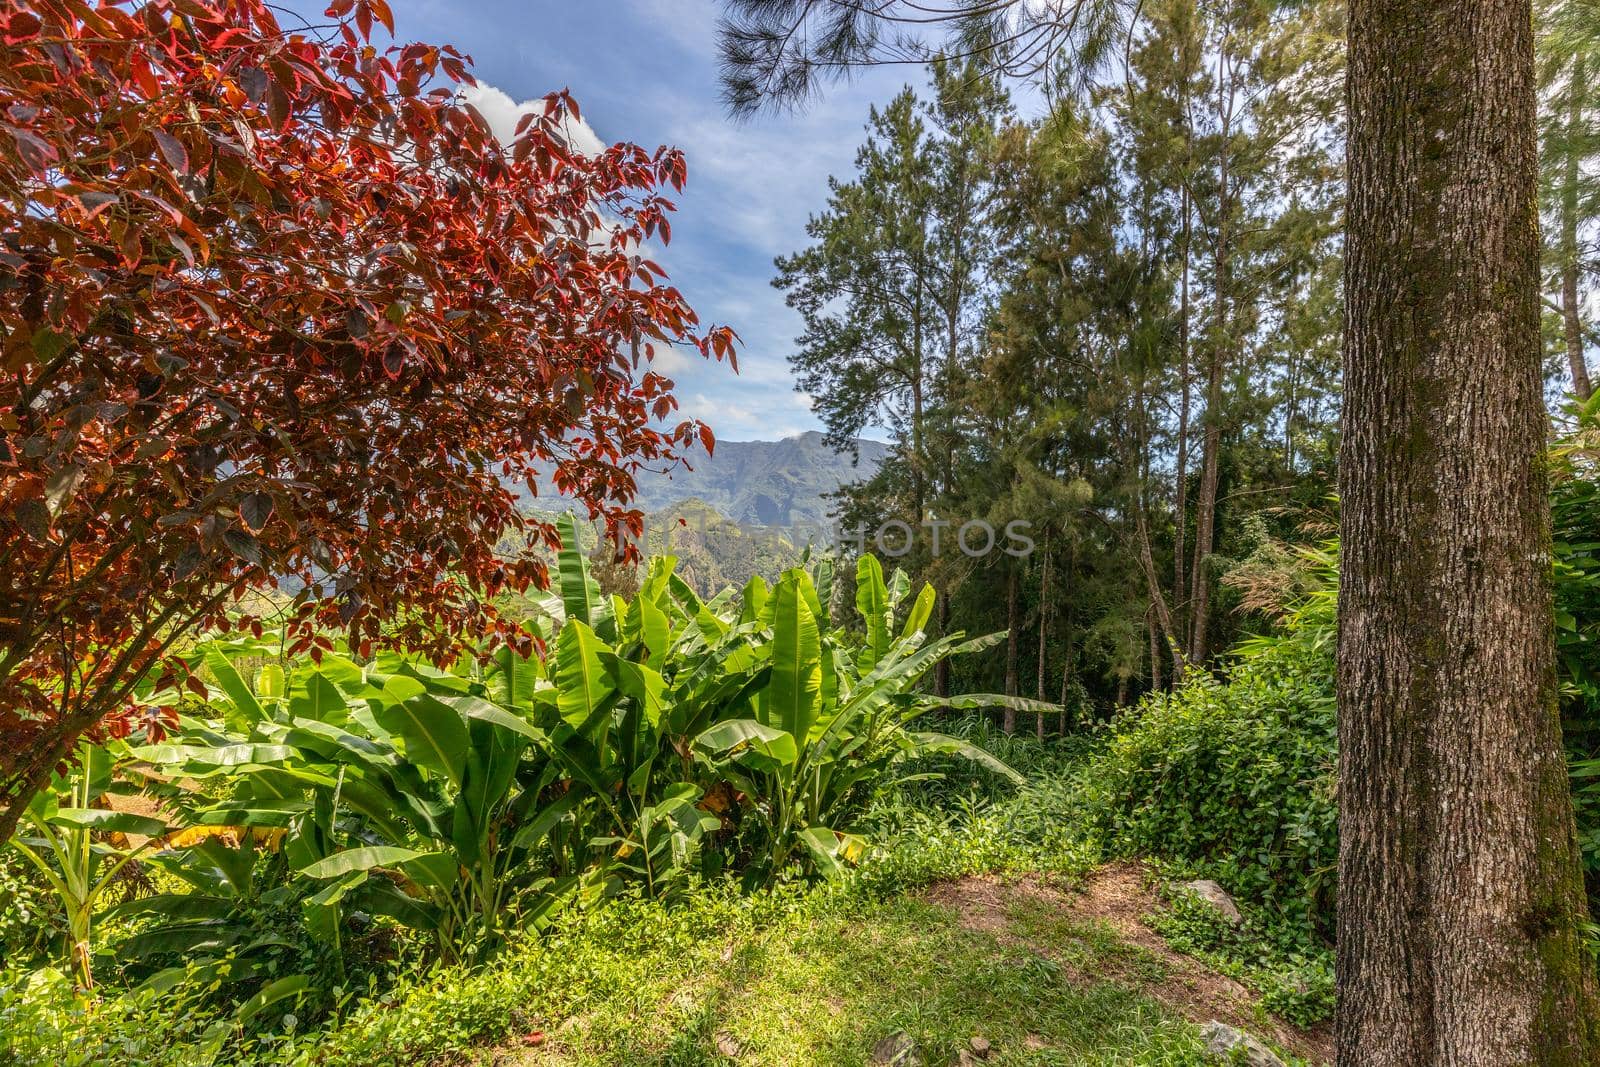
(1120, 896)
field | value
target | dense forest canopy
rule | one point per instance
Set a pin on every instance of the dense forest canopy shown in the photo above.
(1119, 321)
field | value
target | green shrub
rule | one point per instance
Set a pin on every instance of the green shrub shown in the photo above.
(46, 1022)
(1292, 973)
(33, 924)
(1236, 777)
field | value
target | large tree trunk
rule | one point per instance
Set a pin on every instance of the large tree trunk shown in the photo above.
(1459, 893)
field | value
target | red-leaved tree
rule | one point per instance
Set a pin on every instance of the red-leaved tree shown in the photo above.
(277, 308)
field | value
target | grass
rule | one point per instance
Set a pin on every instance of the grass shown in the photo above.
(800, 974)
(825, 985)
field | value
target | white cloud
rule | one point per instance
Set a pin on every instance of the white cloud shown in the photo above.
(504, 113)
(758, 415)
(674, 361)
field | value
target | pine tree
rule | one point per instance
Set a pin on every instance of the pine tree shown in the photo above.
(1569, 84)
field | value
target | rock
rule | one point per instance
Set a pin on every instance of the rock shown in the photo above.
(727, 1044)
(1227, 1045)
(981, 1047)
(1216, 896)
(897, 1050)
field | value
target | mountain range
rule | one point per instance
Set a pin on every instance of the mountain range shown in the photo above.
(764, 483)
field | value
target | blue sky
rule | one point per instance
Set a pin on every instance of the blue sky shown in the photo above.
(645, 71)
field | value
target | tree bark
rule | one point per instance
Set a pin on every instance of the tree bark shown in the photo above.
(1155, 652)
(1206, 517)
(1180, 594)
(1044, 633)
(1211, 450)
(1460, 901)
(1066, 638)
(1571, 320)
(1147, 566)
(941, 670)
(1013, 637)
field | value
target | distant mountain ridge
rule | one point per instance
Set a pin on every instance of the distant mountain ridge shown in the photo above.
(766, 483)
(762, 483)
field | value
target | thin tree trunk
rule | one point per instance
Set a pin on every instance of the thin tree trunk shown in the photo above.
(1211, 452)
(1206, 515)
(1066, 638)
(1066, 690)
(1155, 652)
(1013, 628)
(1158, 602)
(1044, 632)
(1572, 323)
(1180, 594)
(1460, 902)
(1147, 565)
(1291, 411)
(918, 473)
(941, 670)
(1573, 328)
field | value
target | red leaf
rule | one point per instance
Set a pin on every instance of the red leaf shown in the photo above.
(255, 510)
(37, 153)
(23, 25)
(380, 9)
(176, 155)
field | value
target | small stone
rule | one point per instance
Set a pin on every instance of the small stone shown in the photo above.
(1216, 896)
(1228, 1045)
(897, 1050)
(981, 1047)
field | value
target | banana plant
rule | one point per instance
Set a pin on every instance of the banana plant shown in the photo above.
(402, 789)
(832, 718)
(653, 737)
(74, 845)
(220, 930)
(622, 682)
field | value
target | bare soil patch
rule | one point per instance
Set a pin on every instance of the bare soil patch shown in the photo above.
(1119, 895)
